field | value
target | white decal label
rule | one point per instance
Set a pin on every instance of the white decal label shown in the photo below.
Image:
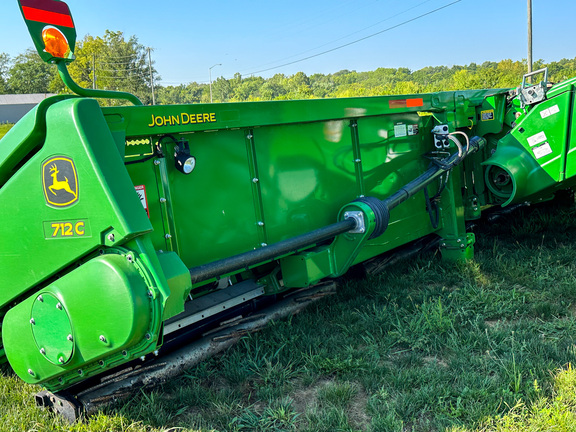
(537, 139)
(400, 131)
(413, 130)
(141, 191)
(550, 111)
(542, 150)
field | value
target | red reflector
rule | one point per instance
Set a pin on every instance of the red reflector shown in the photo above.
(47, 5)
(46, 17)
(412, 103)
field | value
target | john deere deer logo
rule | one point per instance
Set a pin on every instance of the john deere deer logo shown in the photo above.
(60, 182)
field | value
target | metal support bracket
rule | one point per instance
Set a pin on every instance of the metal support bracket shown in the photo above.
(358, 217)
(460, 249)
(534, 93)
(62, 404)
(333, 260)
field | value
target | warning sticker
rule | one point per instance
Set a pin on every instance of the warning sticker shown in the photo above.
(487, 115)
(413, 130)
(141, 191)
(400, 130)
(537, 139)
(550, 111)
(542, 150)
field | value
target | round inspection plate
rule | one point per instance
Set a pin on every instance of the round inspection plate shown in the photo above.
(52, 329)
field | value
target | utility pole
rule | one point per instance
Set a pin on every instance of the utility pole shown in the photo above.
(151, 77)
(210, 70)
(93, 71)
(530, 61)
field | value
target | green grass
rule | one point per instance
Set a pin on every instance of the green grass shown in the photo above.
(424, 346)
(4, 128)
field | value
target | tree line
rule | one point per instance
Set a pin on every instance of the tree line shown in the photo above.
(114, 62)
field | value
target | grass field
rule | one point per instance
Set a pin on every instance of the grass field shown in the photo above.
(4, 128)
(424, 346)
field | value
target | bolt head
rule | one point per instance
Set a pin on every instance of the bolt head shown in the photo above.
(32, 321)
(59, 306)
(168, 236)
(111, 237)
(255, 180)
(61, 360)
(40, 298)
(260, 224)
(162, 200)
(102, 338)
(31, 372)
(156, 162)
(42, 351)
(70, 338)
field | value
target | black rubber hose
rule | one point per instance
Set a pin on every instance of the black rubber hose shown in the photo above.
(268, 253)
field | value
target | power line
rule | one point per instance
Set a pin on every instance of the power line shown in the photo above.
(348, 35)
(358, 40)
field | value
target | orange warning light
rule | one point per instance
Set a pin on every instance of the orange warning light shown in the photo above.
(56, 43)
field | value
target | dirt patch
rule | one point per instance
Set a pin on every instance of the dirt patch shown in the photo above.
(435, 361)
(357, 411)
(308, 397)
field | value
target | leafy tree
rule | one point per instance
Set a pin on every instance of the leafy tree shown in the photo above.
(275, 87)
(30, 74)
(222, 91)
(382, 81)
(249, 89)
(182, 94)
(119, 64)
(4, 68)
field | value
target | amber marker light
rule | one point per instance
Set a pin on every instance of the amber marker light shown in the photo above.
(56, 43)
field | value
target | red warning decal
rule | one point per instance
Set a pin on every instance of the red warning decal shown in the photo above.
(50, 12)
(406, 103)
(141, 191)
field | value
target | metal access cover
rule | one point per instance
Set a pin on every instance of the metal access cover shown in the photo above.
(52, 329)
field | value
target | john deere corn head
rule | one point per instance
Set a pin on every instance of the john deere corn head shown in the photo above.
(127, 228)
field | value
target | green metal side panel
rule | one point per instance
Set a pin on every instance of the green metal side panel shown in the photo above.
(213, 207)
(33, 244)
(306, 172)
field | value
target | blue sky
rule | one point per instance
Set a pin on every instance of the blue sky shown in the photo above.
(188, 36)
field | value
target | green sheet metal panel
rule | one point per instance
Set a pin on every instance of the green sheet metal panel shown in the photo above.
(31, 247)
(213, 207)
(306, 174)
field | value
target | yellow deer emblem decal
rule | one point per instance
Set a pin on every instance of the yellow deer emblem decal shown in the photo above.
(60, 182)
(59, 185)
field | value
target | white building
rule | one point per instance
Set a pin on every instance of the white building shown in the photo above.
(14, 107)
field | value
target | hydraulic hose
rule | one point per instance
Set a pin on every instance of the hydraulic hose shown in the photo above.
(432, 174)
(267, 253)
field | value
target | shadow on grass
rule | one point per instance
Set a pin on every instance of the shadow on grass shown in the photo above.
(424, 346)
